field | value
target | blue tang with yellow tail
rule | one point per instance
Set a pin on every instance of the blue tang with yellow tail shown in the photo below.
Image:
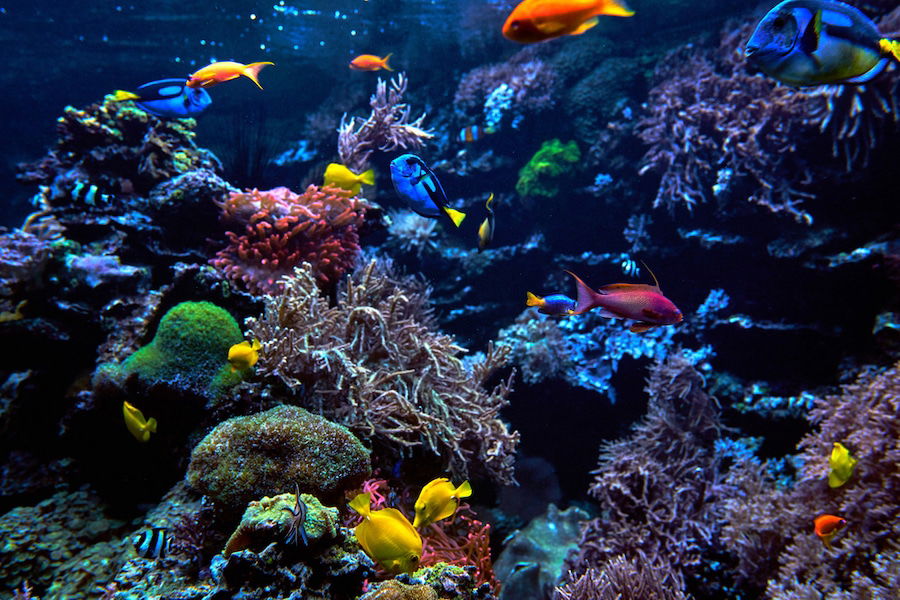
(419, 187)
(387, 536)
(168, 98)
(816, 42)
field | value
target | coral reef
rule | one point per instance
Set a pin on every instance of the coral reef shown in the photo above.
(23, 258)
(621, 578)
(278, 230)
(547, 169)
(387, 128)
(247, 457)
(269, 520)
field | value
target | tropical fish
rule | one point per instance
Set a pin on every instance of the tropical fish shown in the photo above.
(387, 536)
(344, 178)
(244, 355)
(418, 186)
(370, 62)
(219, 72)
(486, 229)
(538, 20)
(814, 42)
(14, 315)
(137, 425)
(168, 98)
(152, 543)
(640, 302)
(827, 526)
(439, 500)
(473, 133)
(841, 463)
(555, 305)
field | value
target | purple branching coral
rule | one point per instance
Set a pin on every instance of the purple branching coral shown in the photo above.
(376, 364)
(386, 129)
(621, 578)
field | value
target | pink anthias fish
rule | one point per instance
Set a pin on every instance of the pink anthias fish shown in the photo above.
(642, 303)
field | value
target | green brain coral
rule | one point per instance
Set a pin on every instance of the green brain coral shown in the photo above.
(190, 350)
(547, 169)
(245, 458)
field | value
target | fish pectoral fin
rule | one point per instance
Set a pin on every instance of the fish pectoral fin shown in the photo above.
(641, 327)
(609, 314)
(810, 39)
(651, 314)
(589, 24)
(549, 27)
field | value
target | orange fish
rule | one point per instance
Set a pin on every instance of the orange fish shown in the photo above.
(827, 527)
(370, 62)
(539, 20)
(218, 72)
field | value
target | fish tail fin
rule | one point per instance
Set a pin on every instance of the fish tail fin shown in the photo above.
(890, 48)
(464, 490)
(455, 215)
(121, 95)
(361, 504)
(533, 300)
(384, 61)
(151, 425)
(252, 70)
(615, 8)
(367, 177)
(255, 345)
(587, 297)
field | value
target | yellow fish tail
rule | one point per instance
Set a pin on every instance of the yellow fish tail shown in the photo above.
(151, 425)
(367, 177)
(121, 95)
(464, 490)
(361, 504)
(252, 70)
(255, 345)
(455, 215)
(384, 62)
(533, 300)
(890, 48)
(615, 8)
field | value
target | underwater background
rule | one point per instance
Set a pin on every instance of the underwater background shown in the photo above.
(225, 339)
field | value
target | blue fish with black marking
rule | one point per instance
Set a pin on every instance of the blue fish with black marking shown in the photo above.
(419, 187)
(168, 98)
(815, 42)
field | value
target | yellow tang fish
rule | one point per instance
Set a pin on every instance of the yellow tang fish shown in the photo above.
(841, 463)
(439, 500)
(139, 427)
(387, 537)
(342, 177)
(244, 355)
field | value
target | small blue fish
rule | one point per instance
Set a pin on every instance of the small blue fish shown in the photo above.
(153, 543)
(418, 186)
(815, 42)
(555, 305)
(168, 98)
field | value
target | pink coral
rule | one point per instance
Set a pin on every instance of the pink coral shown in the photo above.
(282, 229)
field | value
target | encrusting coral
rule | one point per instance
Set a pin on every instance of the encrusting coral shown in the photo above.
(379, 367)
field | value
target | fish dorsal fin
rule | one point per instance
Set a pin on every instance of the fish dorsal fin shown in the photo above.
(490, 201)
(589, 24)
(655, 280)
(810, 39)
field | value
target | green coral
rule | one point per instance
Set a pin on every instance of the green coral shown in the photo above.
(190, 350)
(245, 458)
(548, 168)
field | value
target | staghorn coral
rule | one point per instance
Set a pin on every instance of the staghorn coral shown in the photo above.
(381, 369)
(279, 229)
(386, 129)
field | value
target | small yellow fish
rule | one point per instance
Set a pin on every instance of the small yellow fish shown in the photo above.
(244, 355)
(439, 500)
(139, 427)
(387, 537)
(841, 463)
(486, 229)
(344, 178)
(14, 315)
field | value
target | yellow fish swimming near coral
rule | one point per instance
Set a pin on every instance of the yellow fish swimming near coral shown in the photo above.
(244, 355)
(137, 425)
(387, 537)
(841, 463)
(439, 500)
(342, 177)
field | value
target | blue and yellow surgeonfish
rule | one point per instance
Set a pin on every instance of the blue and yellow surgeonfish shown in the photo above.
(168, 98)
(815, 42)
(418, 186)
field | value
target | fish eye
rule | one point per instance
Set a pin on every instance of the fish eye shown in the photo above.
(515, 25)
(414, 558)
(780, 21)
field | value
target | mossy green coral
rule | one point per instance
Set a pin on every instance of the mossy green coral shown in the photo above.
(190, 350)
(269, 520)
(547, 168)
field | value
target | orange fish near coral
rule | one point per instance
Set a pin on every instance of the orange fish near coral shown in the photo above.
(219, 72)
(643, 303)
(539, 20)
(370, 62)
(827, 527)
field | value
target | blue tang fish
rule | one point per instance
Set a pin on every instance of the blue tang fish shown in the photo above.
(815, 42)
(168, 98)
(420, 189)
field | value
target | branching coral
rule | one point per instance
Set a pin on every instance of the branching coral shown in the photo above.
(382, 370)
(280, 229)
(621, 578)
(386, 129)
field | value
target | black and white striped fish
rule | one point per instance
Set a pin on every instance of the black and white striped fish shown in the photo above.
(152, 543)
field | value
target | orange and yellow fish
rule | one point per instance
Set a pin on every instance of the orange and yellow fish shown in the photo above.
(219, 72)
(827, 526)
(370, 62)
(438, 500)
(538, 20)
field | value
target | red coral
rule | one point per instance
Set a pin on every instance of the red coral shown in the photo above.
(282, 229)
(462, 540)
